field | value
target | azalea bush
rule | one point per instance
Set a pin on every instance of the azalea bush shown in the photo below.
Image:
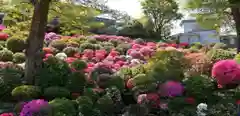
(114, 75)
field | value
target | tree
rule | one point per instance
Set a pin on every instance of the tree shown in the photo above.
(35, 39)
(34, 42)
(161, 13)
(223, 13)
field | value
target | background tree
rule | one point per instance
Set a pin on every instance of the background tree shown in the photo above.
(161, 14)
(221, 14)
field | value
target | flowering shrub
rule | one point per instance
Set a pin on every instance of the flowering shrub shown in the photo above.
(36, 107)
(219, 54)
(226, 72)
(49, 37)
(171, 89)
(7, 114)
(199, 64)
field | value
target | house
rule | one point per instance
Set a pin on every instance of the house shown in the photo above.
(193, 32)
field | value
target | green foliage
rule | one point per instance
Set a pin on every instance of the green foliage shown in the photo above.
(125, 73)
(139, 69)
(218, 16)
(15, 44)
(63, 107)
(70, 51)
(116, 81)
(199, 87)
(92, 40)
(86, 46)
(26, 92)
(220, 46)
(219, 54)
(85, 105)
(104, 104)
(55, 72)
(9, 79)
(161, 13)
(79, 65)
(223, 109)
(167, 65)
(74, 18)
(76, 82)
(58, 44)
(6, 55)
(237, 58)
(56, 92)
(142, 79)
(91, 94)
(19, 57)
(196, 45)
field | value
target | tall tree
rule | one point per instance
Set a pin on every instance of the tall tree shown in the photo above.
(222, 13)
(35, 39)
(161, 13)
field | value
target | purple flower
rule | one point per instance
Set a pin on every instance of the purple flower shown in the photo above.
(35, 107)
(171, 89)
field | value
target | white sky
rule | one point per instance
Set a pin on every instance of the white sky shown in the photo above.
(133, 8)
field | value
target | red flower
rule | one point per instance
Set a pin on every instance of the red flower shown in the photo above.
(3, 36)
(190, 100)
(183, 44)
(238, 102)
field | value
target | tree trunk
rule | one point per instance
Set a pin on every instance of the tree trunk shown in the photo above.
(236, 17)
(35, 40)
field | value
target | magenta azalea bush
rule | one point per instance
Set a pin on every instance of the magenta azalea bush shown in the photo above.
(36, 108)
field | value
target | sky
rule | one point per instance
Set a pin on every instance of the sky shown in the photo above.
(133, 8)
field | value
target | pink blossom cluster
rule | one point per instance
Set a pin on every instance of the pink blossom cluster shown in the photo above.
(226, 72)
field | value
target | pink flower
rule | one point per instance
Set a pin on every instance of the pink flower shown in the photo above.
(226, 72)
(120, 63)
(48, 55)
(7, 114)
(152, 44)
(2, 27)
(113, 53)
(141, 98)
(136, 46)
(70, 59)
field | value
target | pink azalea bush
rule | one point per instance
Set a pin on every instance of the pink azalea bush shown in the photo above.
(226, 72)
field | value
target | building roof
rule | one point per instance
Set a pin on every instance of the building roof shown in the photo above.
(188, 21)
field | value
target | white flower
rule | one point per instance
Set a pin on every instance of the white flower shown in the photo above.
(61, 56)
(22, 65)
(202, 106)
(201, 109)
